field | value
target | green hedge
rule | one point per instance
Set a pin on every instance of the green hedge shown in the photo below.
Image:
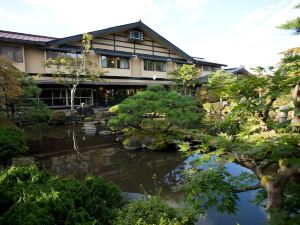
(12, 142)
(30, 196)
(151, 211)
(58, 117)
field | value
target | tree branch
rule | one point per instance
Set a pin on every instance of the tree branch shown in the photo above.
(249, 188)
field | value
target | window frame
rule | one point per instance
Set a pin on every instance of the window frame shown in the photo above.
(14, 58)
(73, 55)
(117, 61)
(155, 65)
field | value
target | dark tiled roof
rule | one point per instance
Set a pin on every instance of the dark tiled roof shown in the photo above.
(199, 61)
(136, 25)
(24, 38)
(236, 70)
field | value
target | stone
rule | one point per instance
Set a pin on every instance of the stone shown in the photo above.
(23, 161)
(105, 132)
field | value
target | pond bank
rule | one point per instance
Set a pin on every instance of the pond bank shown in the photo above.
(100, 155)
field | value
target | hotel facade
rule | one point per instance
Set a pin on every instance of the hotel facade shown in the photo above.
(133, 55)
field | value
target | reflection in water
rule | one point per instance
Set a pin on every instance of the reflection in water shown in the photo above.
(69, 151)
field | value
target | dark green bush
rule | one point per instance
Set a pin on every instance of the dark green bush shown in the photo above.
(12, 142)
(156, 88)
(32, 196)
(152, 211)
(36, 113)
(57, 117)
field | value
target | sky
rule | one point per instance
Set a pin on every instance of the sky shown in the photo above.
(232, 32)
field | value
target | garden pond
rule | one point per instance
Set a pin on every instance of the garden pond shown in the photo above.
(72, 151)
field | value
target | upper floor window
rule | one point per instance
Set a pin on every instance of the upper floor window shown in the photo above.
(211, 68)
(114, 62)
(55, 54)
(13, 53)
(154, 65)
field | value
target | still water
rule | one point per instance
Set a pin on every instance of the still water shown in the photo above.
(69, 151)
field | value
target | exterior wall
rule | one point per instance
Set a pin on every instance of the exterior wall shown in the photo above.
(34, 59)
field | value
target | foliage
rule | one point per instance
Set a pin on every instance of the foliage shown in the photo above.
(251, 136)
(31, 196)
(71, 71)
(151, 211)
(185, 77)
(12, 142)
(218, 83)
(156, 112)
(211, 188)
(57, 117)
(293, 24)
(36, 113)
(290, 65)
(10, 87)
(113, 109)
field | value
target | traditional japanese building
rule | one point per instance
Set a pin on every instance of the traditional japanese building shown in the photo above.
(133, 55)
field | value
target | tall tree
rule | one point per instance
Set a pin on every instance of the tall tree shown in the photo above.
(293, 24)
(186, 77)
(10, 86)
(72, 71)
(156, 116)
(290, 64)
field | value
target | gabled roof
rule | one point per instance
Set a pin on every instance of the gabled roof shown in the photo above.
(10, 36)
(200, 61)
(238, 70)
(137, 25)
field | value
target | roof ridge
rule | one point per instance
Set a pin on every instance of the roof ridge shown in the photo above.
(34, 35)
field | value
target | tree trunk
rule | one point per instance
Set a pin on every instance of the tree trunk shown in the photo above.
(6, 101)
(72, 98)
(267, 110)
(73, 91)
(12, 109)
(275, 195)
(296, 101)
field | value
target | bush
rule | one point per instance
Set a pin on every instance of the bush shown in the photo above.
(156, 88)
(37, 113)
(12, 142)
(4, 119)
(58, 117)
(152, 211)
(32, 196)
(113, 109)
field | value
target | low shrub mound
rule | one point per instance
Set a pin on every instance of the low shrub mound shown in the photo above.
(58, 117)
(151, 211)
(32, 196)
(35, 114)
(12, 142)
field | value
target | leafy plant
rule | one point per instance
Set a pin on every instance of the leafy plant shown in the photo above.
(32, 196)
(12, 142)
(151, 211)
(36, 113)
(186, 77)
(58, 117)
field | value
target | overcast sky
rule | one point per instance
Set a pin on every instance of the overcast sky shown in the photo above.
(233, 32)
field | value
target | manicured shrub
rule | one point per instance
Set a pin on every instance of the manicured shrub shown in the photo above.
(36, 113)
(152, 211)
(12, 142)
(113, 109)
(32, 196)
(57, 117)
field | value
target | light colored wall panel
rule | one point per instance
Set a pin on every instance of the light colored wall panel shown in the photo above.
(34, 58)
